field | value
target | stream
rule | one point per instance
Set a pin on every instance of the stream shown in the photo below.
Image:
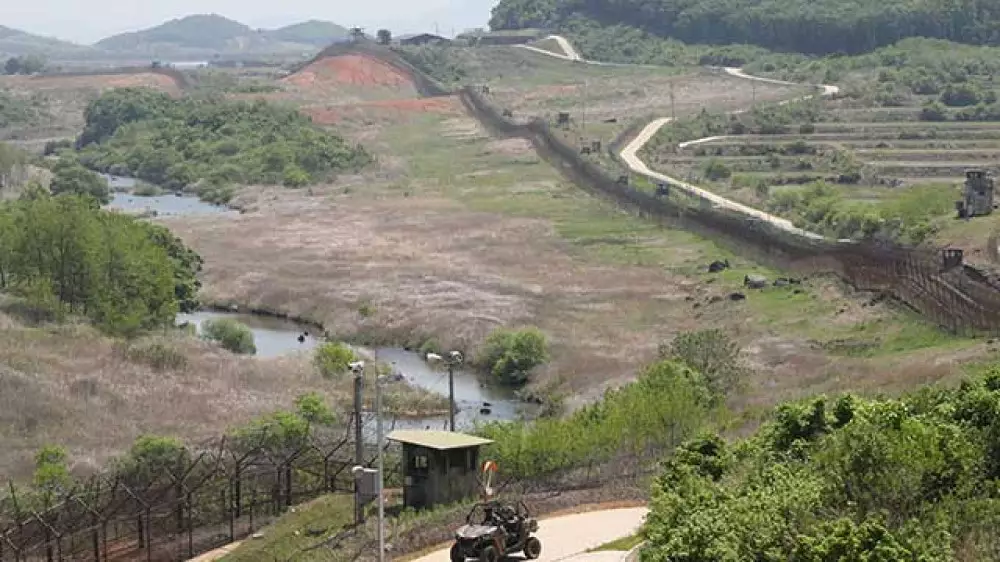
(276, 337)
(168, 204)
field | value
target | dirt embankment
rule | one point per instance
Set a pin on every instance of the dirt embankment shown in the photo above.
(99, 82)
(351, 69)
(359, 86)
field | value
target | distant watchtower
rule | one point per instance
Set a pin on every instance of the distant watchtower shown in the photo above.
(977, 195)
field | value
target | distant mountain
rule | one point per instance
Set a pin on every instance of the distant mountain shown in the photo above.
(202, 32)
(210, 34)
(14, 42)
(313, 32)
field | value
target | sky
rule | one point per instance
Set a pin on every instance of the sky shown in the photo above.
(87, 21)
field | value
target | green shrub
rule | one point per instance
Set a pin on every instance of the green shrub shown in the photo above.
(962, 95)
(510, 355)
(65, 253)
(333, 359)
(147, 190)
(216, 194)
(230, 334)
(910, 478)
(181, 142)
(715, 170)
(70, 178)
(158, 355)
(711, 353)
(666, 405)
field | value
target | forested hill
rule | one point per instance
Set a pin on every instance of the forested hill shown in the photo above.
(806, 26)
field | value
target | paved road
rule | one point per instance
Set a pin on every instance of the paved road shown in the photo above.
(629, 153)
(569, 535)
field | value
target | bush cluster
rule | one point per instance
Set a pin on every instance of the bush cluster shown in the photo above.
(66, 255)
(209, 142)
(848, 479)
(230, 334)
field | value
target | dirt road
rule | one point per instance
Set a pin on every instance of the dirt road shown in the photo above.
(566, 46)
(629, 153)
(564, 537)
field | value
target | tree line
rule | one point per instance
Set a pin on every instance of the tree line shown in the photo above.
(804, 26)
(66, 256)
(209, 142)
(29, 64)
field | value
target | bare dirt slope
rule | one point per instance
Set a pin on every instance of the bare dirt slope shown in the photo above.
(346, 79)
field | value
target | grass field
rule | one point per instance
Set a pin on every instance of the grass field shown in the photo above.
(452, 234)
(457, 233)
(69, 385)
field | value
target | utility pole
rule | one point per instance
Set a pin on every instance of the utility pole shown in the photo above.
(359, 444)
(753, 86)
(381, 469)
(451, 394)
(673, 115)
(584, 106)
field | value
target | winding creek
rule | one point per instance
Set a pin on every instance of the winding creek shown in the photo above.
(274, 337)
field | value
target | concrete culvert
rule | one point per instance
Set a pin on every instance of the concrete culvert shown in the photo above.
(737, 297)
(754, 281)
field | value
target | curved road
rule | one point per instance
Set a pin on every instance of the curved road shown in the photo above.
(570, 536)
(629, 153)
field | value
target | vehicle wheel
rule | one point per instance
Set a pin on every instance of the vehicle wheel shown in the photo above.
(489, 554)
(532, 548)
(456, 553)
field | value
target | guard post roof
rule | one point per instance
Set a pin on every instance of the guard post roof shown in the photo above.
(437, 440)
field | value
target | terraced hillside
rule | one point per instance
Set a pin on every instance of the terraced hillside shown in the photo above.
(890, 149)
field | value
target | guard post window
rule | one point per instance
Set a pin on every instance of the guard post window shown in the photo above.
(420, 462)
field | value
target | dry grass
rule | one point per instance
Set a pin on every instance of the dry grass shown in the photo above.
(71, 386)
(452, 235)
(459, 233)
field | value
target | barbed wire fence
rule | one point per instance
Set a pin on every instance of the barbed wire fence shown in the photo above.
(622, 478)
(932, 281)
(211, 495)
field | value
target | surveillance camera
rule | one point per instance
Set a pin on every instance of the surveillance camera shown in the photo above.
(432, 357)
(455, 356)
(357, 366)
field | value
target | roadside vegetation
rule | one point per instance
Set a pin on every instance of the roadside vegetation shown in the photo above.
(210, 145)
(667, 404)
(909, 478)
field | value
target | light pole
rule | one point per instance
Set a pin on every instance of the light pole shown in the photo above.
(454, 358)
(379, 380)
(358, 368)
